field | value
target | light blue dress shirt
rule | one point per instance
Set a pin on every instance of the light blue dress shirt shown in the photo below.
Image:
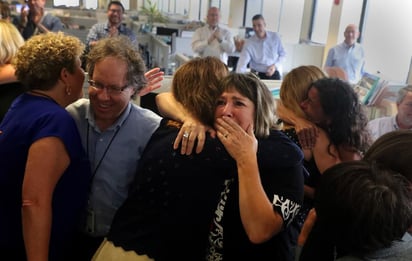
(261, 53)
(350, 58)
(118, 149)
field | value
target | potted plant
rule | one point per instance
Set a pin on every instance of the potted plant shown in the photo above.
(153, 14)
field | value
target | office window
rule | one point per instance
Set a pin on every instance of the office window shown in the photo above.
(90, 4)
(321, 19)
(253, 7)
(388, 39)
(66, 2)
(163, 5)
(182, 7)
(290, 20)
(216, 3)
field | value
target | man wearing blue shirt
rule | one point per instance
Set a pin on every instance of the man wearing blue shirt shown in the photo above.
(113, 27)
(263, 52)
(348, 55)
(114, 133)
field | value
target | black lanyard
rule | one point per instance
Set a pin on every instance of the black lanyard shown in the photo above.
(105, 151)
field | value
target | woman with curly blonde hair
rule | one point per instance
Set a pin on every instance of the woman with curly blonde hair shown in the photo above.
(44, 176)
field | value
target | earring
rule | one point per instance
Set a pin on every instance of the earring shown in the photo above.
(68, 90)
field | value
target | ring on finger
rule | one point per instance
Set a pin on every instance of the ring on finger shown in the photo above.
(186, 134)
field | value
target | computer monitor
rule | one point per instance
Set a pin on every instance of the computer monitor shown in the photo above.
(169, 36)
(20, 6)
(166, 31)
(249, 32)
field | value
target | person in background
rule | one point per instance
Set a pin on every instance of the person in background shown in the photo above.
(401, 121)
(10, 87)
(113, 27)
(366, 208)
(348, 55)
(45, 173)
(6, 14)
(212, 39)
(35, 20)
(114, 133)
(263, 52)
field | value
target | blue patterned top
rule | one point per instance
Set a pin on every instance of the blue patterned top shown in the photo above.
(100, 31)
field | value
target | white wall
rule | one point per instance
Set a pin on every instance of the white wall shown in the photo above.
(321, 21)
(388, 38)
(291, 20)
(271, 10)
(253, 7)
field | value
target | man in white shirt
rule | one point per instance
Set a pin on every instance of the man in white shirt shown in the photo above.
(401, 121)
(212, 39)
(263, 52)
(348, 55)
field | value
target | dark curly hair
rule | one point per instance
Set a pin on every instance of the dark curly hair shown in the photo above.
(347, 126)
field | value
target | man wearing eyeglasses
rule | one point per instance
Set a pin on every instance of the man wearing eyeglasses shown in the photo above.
(113, 27)
(114, 133)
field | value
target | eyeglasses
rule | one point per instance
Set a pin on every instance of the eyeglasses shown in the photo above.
(119, 11)
(109, 89)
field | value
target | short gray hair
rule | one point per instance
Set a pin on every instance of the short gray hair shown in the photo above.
(402, 93)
